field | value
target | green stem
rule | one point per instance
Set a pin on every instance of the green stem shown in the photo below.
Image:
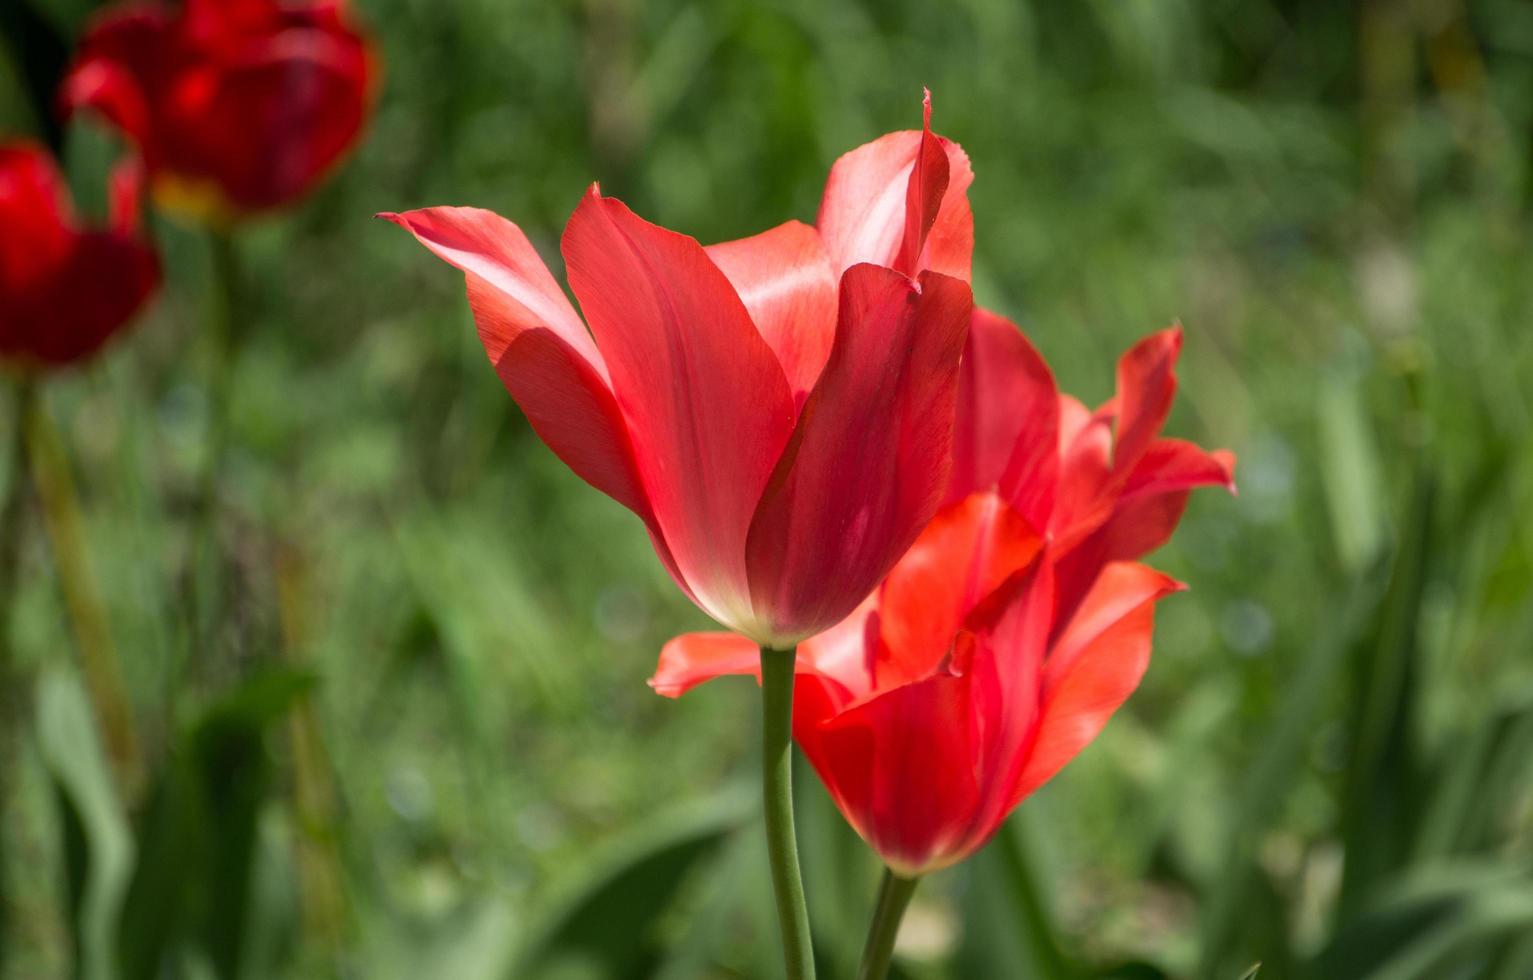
(204, 571)
(82, 598)
(10, 531)
(893, 899)
(777, 792)
(12, 700)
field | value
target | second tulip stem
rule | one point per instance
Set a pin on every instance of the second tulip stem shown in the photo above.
(777, 792)
(893, 898)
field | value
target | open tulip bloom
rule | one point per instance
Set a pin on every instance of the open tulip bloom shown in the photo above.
(778, 410)
(65, 289)
(238, 106)
(1002, 642)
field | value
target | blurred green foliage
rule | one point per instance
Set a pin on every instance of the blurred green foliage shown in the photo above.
(422, 744)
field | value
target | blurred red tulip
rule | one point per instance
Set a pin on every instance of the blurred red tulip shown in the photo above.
(239, 106)
(779, 409)
(1016, 625)
(64, 290)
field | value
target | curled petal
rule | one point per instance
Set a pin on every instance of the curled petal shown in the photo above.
(848, 497)
(901, 201)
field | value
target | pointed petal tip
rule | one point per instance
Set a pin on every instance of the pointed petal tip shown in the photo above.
(1226, 461)
(926, 108)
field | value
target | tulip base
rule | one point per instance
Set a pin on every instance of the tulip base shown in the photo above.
(893, 898)
(777, 800)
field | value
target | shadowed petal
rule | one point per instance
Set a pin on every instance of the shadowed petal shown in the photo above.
(850, 494)
(785, 280)
(1007, 421)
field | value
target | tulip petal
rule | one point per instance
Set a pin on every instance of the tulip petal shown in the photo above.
(539, 347)
(785, 280)
(1147, 512)
(694, 658)
(1176, 464)
(121, 49)
(63, 291)
(1146, 387)
(835, 656)
(900, 768)
(496, 251)
(869, 458)
(878, 205)
(966, 552)
(708, 406)
(301, 96)
(1007, 421)
(1093, 668)
(35, 212)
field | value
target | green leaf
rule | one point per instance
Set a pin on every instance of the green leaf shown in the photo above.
(1008, 925)
(195, 878)
(1383, 779)
(1277, 767)
(1456, 913)
(607, 924)
(97, 846)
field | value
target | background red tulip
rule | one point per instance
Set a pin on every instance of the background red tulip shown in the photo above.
(1016, 625)
(239, 106)
(64, 289)
(779, 409)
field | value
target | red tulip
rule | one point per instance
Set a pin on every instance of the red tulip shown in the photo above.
(779, 409)
(1002, 642)
(238, 106)
(64, 289)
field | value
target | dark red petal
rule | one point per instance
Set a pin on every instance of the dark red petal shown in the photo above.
(1007, 421)
(36, 227)
(267, 128)
(869, 458)
(123, 57)
(1093, 668)
(707, 404)
(785, 280)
